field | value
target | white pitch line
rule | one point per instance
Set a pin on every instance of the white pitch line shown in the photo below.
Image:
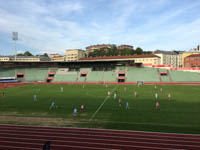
(101, 105)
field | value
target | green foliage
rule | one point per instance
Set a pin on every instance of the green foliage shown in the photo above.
(46, 55)
(27, 53)
(139, 51)
(20, 54)
(115, 52)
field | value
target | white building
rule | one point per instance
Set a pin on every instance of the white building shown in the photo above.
(173, 58)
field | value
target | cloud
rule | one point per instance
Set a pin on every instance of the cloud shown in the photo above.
(54, 26)
(46, 32)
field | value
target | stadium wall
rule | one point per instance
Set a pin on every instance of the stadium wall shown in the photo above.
(8, 85)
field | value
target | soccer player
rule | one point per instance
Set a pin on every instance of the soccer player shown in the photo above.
(155, 87)
(169, 96)
(83, 86)
(125, 89)
(119, 102)
(106, 85)
(156, 96)
(61, 89)
(3, 93)
(82, 108)
(75, 111)
(52, 105)
(157, 106)
(35, 97)
(161, 90)
(135, 94)
(108, 93)
(115, 95)
(127, 105)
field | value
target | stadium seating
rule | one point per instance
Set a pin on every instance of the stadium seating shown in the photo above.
(7, 72)
(120, 68)
(79, 78)
(65, 78)
(183, 76)
(110, 76)
(63, 75)
(53, 70)
(164, 78)
(95, 76)
(85, 69)
(133, 74)
(36, 74)
(142, 74)
(19, 70)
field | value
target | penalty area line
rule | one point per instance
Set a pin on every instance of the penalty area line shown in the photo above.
(101, 105)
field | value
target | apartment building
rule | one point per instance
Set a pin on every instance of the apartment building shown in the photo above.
(122, 47)
(173, 58)
(91, 48)
(74, 54)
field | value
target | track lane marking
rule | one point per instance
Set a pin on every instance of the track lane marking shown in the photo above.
(139, 142)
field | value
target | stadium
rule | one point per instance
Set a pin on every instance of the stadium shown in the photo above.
(99, 75)
(38, 100)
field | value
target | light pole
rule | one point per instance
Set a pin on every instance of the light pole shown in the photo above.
(15, 38)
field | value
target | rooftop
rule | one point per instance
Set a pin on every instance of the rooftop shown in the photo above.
(194, 55)
(119, 57)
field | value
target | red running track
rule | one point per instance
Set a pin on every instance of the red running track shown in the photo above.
(14, 137)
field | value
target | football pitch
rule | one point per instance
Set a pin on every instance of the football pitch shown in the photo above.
(180, 114)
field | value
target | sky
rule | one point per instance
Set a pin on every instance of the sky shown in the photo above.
(52, 26)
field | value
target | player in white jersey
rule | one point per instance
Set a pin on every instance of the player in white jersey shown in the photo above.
(75, 112)
(135, 94)
(169, 96)
(61, 89)
(156, 96)
(35, 97)
(108, 93)
(127, 105)
(52, 105)
(115, 95)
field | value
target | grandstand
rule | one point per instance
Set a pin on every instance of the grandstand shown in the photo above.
(135, 74)
(163, 75)
(5, 72)
(36, 74)
(102, 69)
(131, 74)
(64, 75)
(95, 76)
(109, 76)
(183, 76)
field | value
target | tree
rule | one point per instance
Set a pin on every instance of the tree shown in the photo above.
(46, 55)
(147, 52)
(27, 53)
(125, 52)
(115, 51)
(139, 51)
(20, 54)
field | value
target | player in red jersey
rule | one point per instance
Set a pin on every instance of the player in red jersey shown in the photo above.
(82, 108)
(157, 106)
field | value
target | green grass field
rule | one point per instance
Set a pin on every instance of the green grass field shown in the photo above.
(180, 115)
